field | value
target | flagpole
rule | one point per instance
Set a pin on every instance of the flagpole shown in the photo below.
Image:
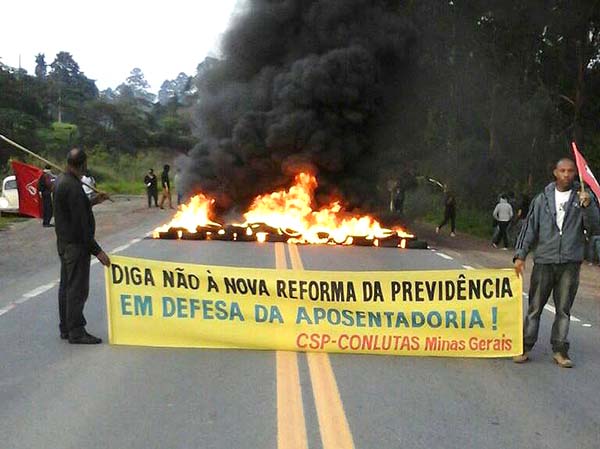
(46, 161)
(575, 150)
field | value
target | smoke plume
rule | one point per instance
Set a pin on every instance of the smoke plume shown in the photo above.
(303, 84)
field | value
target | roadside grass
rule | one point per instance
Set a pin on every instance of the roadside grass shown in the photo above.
(426, 205)
(124, 173)
(6, 220)
(468, 221)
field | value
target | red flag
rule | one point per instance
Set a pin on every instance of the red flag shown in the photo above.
(28, 177)
(585, 172)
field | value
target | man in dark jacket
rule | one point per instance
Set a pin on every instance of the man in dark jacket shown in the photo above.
(166, 187)
(555, 228)
(151, 188)
(75, 228)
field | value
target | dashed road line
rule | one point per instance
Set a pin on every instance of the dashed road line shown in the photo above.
(551, 308)
(468, 267)
(445, 256)
(38, 291)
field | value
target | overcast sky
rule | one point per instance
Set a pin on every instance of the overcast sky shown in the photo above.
(109, 38)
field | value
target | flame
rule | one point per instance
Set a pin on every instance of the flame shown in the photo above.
(288, 212)
(196, 213)
(292, 210)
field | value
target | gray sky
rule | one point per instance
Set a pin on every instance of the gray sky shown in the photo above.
(109, 38)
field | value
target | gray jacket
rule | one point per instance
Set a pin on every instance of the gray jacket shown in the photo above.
(503, 211)
(541, 234)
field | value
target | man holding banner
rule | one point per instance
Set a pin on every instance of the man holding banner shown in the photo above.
(555, 227)
(75, 228)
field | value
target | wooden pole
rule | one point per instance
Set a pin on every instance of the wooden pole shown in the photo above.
(46, 161)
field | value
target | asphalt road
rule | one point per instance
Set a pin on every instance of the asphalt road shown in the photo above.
(56, 395)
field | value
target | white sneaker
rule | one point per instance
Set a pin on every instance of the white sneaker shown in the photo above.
(452, 234)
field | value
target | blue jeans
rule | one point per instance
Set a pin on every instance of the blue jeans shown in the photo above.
(562, 280)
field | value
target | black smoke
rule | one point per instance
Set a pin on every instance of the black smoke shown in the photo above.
(302, 84)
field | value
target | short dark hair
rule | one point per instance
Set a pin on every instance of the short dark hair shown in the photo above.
(47, 167)
(565, 159)
(166, 167)
(76, 158)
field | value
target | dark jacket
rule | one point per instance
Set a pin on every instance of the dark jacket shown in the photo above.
(541, 234)
(73, 217)
(46, 183)
(164, 179)
(150, 180)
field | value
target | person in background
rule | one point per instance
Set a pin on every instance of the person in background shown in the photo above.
(151, 187)
(503, 213)
(555, 230)
(87, 182)
(449, 213)
(46, 188)
(177, 182)
(166, 187)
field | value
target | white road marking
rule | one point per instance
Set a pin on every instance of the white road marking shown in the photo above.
(553, 310)
(118, 249)
(38, 291)
(445, 256)
(468, 267)
(44, 288)
(586, 325)
(7, 308)
(550, 308)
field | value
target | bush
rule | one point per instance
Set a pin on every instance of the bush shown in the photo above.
(124, 173)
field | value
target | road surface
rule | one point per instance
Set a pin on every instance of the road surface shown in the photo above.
(56, 395)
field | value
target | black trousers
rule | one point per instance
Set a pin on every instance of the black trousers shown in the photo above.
(502, 234)
(449, 215)
(47, 210)
(152, 194)
(562, 280)
(74, 287)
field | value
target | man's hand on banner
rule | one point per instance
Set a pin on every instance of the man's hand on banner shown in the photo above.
(519, 266)
(103, 258)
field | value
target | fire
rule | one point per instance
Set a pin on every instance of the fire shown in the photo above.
(291, 210)
(189, 216)
(285, 215)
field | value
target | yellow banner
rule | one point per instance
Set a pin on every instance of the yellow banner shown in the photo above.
(473, 313)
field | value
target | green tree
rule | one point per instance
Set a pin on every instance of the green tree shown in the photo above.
(41, 68)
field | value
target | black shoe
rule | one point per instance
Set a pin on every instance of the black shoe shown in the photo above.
(64, 335)
(85, 339)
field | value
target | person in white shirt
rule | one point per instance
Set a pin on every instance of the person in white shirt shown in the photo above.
(88, 181)
(555, 230)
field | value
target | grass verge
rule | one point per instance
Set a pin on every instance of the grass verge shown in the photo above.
(6, 220)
